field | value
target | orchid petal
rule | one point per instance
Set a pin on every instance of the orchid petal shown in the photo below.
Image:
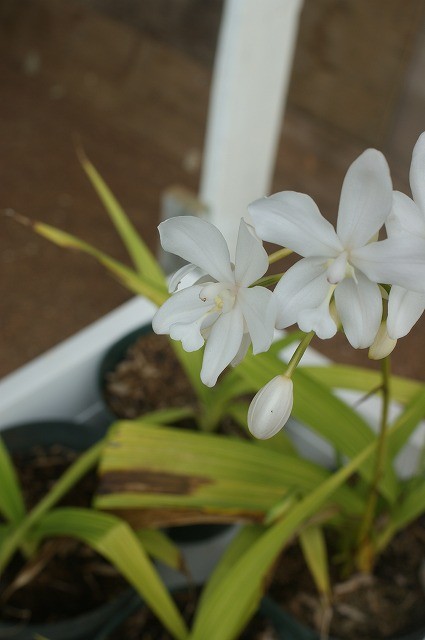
(319, 320)
(244, 346)
(382, 344)
(359, 306)
(404, 310)
(303, 286)
(293, 220)
(178, 276)
(184, 307)
(417, 173)
(251, 261)
(399, 261)
(366, 199)
(198, 242)
(405, 217)
(189, 334)
(258, 307)
(222, 345)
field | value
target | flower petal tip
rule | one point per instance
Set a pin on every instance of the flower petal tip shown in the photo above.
(383, 345)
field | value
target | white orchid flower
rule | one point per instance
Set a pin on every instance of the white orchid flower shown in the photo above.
(221, 308)
(342, 263)
(407, 219)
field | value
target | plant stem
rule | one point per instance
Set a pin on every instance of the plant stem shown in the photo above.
(299, 352)
(366, 554)
(70, 477)
(278, 255)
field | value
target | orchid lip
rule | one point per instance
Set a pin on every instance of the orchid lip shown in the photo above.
(340, 268)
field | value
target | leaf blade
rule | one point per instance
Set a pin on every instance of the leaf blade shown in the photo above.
(113, 538)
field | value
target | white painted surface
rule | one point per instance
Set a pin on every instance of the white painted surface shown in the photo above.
(252, 69)
(62, 383)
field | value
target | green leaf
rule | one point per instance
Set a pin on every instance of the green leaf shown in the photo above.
(128, 278)
(160, 547)
(166, 416)
(5, 530)
(315, 554)
(242, 586)
(12, 505)
(191, 362)
(113, 539)
(407, 422)
(246, 537)
(411, 507)
(280, 442)
(277, 346)
(316, 407)
(339, 376)
(144, 261)
(158, 475)
(18, 534)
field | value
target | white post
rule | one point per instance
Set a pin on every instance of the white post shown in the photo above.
(251, 73)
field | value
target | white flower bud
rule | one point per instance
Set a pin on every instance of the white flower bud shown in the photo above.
(383, 345)
(271, 407)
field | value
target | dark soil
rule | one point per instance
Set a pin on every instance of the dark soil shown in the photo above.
(148, 378)
(389, 603)
(65, 578)
(142, 625)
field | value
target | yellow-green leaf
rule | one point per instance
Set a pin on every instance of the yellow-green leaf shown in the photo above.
(130, 279)
(154, 474)
(339, 376)
(318, 408)
(315, 554)
(113, 538)
(12, 504)
(160, 547)
(144, 261)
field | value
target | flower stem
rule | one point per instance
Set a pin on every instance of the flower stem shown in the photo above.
(70, 477)
(278, 255)
(299, 352)
(366, 554)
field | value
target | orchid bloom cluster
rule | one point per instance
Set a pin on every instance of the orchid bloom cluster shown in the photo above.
(342, 279)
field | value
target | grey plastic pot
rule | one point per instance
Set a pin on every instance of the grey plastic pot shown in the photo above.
(22, 438)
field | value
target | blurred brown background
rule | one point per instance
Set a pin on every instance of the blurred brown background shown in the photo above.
(131, 78)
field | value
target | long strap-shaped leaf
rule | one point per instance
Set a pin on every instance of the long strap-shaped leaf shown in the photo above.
(322, 411)
(230, 606)
(113, 538)
(154, 475)
(411, 508)
(130, 279)
(144, 261)
(314, 550)
(407, 423)
(340, 376)
(12, 505)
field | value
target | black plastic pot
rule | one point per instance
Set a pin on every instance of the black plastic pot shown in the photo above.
(113, 356)
(184, 534)
(291, 629)
(267, 608)
(22, 438)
